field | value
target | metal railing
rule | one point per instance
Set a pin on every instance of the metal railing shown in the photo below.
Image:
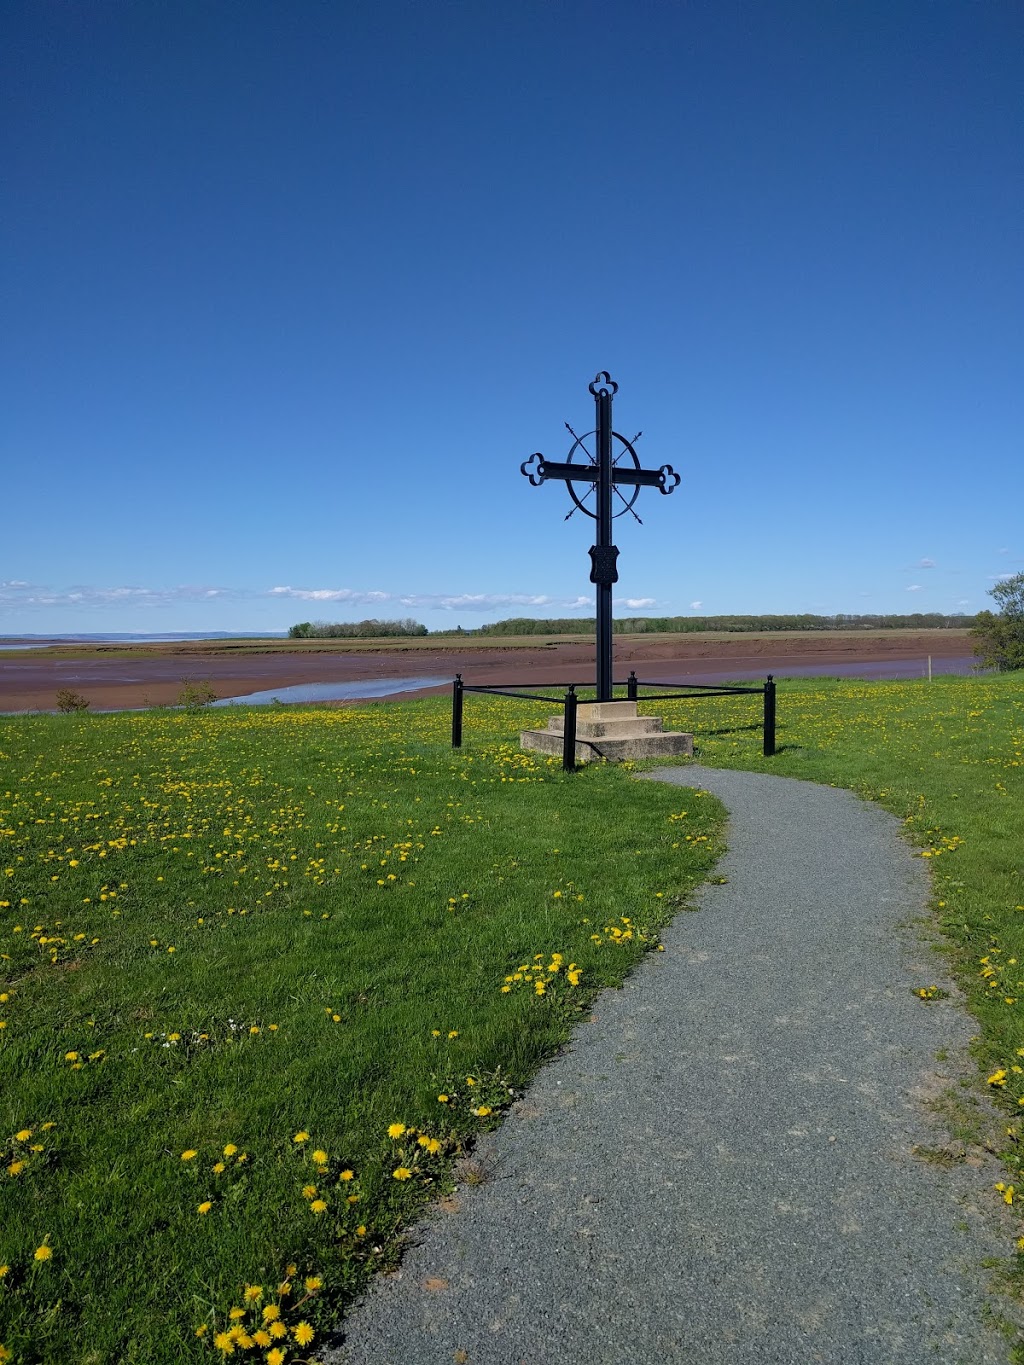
(570, 702)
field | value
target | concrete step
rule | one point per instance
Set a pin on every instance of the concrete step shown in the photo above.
(667, 743)
(624, 728)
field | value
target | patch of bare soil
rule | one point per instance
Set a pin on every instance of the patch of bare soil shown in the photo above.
(127, 680)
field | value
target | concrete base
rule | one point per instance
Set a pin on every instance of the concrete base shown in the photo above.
(610, 730)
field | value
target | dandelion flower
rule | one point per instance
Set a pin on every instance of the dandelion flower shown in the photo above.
(23, 1136)
(230, 1149)
(225, 1342)
(320, 1158)
(301, 1137)
(262, 1338)
(395, 1130)
(219, 1168)
(443, 1099)
(235, 1313)
(206, 1206)
(275, 1357)
(253, 1292)
(271, 1312)
(309, 1191)
(318, 1206)
(347, 1175)
(187, 1156)
(43, 1253)
(16, 1168)
(303, 1333)
(313, 1283)
(401, 1173)
(278, 1329)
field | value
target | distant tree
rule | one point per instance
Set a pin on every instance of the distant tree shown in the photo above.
(301, 631)
(999, 638)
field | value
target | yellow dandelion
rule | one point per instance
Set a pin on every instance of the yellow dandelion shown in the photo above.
(301, 1137)
(318, 1206)
(401, 1173)
(303, 1333)
(271, 1312)
(189, 1154)
(43, 1253)
(313, 1283)
(278, 1329)
(262, 1338)
(347, 1175)
(230, 1149)
(206, 1206)
(320, 1158)
(395, 1130)
(235, 1313)
(309, 1191)
(23, 1136)
(253, 1292)
(225, 1342)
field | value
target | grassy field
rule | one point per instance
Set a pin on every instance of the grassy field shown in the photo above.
(245, 953)
(264, 975)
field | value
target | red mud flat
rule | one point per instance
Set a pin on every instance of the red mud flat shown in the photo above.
(130, 681)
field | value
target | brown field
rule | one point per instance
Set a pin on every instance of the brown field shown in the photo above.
(116, 676)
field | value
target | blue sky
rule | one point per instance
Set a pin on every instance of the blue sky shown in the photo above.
(291, 290)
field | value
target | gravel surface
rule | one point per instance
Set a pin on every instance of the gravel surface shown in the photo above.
(719, 1168)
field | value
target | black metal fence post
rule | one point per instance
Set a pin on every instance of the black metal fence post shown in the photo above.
(457, 694)
(631, 685)
(769, 717)
(569, 734)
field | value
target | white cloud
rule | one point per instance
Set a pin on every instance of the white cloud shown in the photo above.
(914, 587)
(16, 593)
(696, 606)
(433, 601)
(637, 602)
(331, 595)
(926, 563)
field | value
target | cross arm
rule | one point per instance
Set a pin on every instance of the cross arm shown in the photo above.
(537, 470)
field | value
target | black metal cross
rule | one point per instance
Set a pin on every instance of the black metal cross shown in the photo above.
(605, 475)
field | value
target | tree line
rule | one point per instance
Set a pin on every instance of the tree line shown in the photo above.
(649, 625)
(355, 630)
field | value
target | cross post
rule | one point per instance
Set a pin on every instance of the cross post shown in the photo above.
(604, 476)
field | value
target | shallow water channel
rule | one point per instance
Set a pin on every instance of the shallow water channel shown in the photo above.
(334, 691)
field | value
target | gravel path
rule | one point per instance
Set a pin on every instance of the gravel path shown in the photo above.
(719, 1168)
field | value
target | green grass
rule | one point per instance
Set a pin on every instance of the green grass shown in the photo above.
(222, 931)
(264, 848)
